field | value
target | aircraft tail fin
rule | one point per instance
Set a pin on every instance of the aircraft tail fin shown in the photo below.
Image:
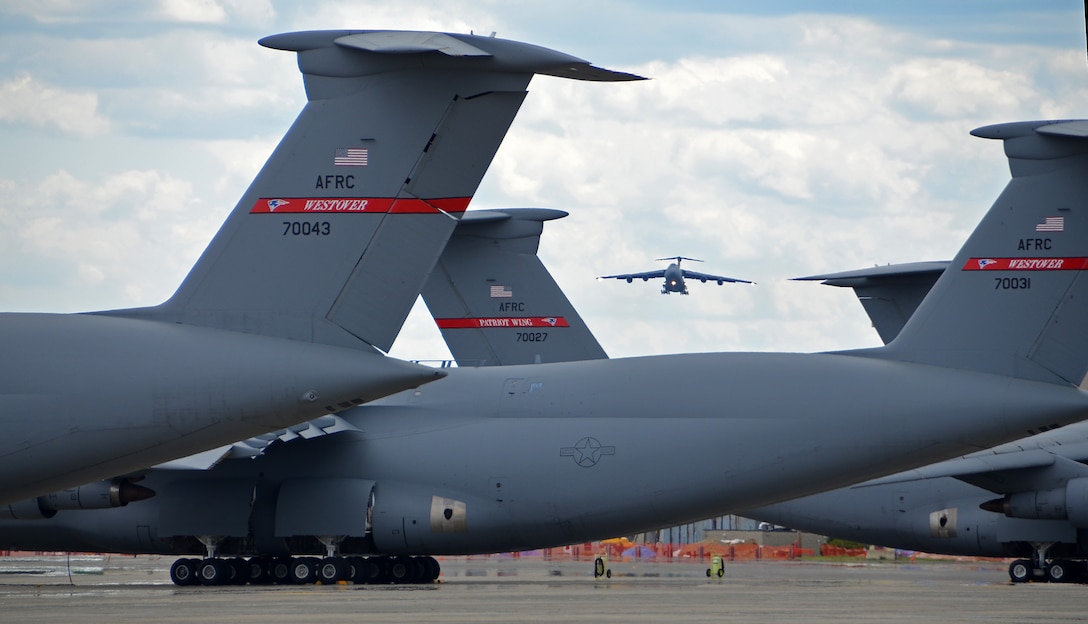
(890, 294)
(495, 302)
(1014, 301)
(335, 237)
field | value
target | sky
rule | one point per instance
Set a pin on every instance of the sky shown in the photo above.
(773, 140)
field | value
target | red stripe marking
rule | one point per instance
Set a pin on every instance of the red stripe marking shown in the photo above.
(357, 205)
(1026, 264)
(502, 321)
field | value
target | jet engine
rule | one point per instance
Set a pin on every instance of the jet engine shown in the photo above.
(1064, 503)
(99, 495)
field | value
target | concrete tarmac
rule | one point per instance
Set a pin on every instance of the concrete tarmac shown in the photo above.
(501, 589)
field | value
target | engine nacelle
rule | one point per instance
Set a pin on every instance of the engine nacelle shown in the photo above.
(1064, 503)
(26, 510)
(99, 495)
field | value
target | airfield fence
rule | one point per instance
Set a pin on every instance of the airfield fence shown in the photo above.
(667, 552)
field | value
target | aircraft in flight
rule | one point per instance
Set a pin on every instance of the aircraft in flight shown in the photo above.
(675, 276)
(286, 314)
(507, 458)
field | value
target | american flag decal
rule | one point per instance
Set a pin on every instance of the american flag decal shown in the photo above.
(350, 157)
(501, 292)
(1051, 224)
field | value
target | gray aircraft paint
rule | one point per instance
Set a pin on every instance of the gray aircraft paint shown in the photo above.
(282, 318)
(512, 457)
(675, 277)
(890, 294)
(495, 302)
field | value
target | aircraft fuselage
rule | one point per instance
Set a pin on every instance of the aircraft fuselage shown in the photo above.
(510, 458)
(87, 397)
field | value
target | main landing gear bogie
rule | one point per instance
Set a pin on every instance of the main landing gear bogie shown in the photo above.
(1055, 571)
(214, 571)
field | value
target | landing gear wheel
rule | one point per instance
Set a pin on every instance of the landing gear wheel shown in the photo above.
(303, 570)
(260, 570)
(183, 572)
(214, 572)
(400, 570)
(1020, 571)
(371, 570)
(1059, 572)
(332, 570)
(433, 569)
(239, 571)
(281, 570)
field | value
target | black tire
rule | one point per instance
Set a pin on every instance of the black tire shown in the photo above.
(183, 572)
(400, 570)
(721, 572)
(708, 572)
(374, 570)
(214, 572)
(332, 570)
(608, 573)
(304, 570)
(239, 571)
(281, 570)
(1059, 572)
(1020, 571)
(260, 570)
(355, 569)
(598, 567)
(433, 568)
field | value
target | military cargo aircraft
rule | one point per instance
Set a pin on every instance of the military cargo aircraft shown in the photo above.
(1025, 499)
(285, 315)
(485, 322)
(675, 276)
(506, 458)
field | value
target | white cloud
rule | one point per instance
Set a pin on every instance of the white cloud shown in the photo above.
(197, 11)
(26, 100)
(121, 241)
(771, 147)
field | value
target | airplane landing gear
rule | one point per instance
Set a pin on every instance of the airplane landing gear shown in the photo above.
(1038, 568)
(1020, 571)
(183, 572)
(214, 571)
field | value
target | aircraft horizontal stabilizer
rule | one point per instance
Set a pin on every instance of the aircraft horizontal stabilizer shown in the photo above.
(890, 294)
(1014, 301)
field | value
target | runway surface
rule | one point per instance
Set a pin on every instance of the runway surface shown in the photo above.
(502, 589)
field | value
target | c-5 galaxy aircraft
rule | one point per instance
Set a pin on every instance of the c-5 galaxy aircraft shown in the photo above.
(508, 458)
(674, 276)
(513, 457)
(1024, 499)
(524, 320)
(284, 316)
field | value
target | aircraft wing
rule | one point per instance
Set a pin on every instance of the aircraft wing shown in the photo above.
(1044, 461)
(648, 275)
(706, 277)
(252, 447)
